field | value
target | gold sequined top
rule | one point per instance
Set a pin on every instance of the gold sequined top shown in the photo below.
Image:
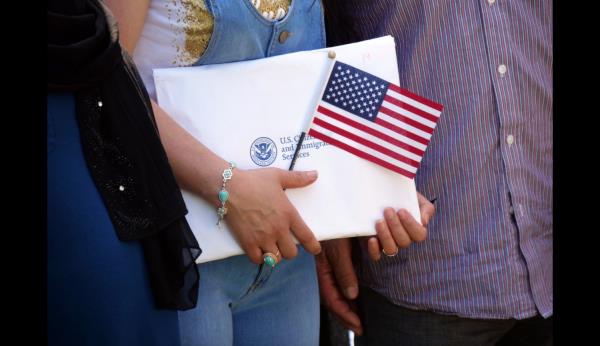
(198, 24)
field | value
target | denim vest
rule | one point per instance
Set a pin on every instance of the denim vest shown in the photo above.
(240, 33)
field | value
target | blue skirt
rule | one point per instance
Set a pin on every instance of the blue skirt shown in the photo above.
(98, 287)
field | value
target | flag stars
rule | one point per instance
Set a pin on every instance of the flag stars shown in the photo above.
(355, 92)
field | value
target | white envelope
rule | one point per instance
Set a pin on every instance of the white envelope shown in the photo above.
(252, 113)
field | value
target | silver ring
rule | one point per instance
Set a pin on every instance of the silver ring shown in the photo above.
(391, 255)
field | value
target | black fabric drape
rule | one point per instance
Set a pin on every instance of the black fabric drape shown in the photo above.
(122, 147)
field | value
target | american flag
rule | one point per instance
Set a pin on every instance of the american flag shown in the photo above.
(375, 119)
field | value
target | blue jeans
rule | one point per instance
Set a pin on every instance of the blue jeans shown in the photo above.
(241, 303)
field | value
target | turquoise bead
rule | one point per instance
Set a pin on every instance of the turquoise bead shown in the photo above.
(223, 195)
(270, 261)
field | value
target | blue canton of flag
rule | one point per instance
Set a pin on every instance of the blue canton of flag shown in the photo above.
(355, 91)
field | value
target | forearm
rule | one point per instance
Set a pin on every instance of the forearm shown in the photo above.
(196, 168)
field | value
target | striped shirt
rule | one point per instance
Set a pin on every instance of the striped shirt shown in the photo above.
(489, 162)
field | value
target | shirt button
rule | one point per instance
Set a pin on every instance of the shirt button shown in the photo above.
(510, 139)
(502, 69)
(284, 36)
(491, 2)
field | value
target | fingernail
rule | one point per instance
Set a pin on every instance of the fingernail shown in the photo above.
(312, 174)
(388, 213)
(351, 292)
(403, 213)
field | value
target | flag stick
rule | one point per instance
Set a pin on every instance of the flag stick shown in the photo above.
(331, 55)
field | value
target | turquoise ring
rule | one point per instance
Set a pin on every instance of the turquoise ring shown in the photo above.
(271, 259)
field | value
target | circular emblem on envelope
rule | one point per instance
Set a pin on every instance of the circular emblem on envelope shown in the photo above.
(263, 151)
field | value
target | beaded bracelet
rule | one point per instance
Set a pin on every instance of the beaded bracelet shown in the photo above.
(223, 194)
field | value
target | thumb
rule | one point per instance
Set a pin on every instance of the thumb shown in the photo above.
(290, 179)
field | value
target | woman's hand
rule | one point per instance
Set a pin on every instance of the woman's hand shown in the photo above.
(261, 216)
(259, 213)
(399, 229)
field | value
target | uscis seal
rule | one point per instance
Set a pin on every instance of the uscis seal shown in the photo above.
(263, 151)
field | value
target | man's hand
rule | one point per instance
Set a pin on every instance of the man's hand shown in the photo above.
(399, 229)
(337, 282)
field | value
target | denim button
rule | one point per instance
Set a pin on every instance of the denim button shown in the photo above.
(284, 36)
